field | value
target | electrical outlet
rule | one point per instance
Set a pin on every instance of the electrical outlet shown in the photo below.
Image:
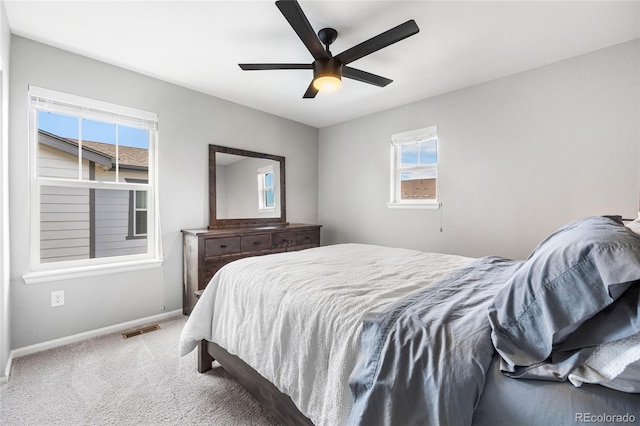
(57, 298)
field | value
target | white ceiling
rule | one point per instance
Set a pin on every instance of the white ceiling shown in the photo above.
(198, 44)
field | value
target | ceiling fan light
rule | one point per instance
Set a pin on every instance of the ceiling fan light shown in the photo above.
(327, 83)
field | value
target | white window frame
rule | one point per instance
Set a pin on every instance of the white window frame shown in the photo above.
(62, 103)
(263, 188)
(407, 138)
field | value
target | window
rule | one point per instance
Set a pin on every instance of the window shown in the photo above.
(137, 211)
(266, 189)
(93, 178)
(414, 168)
(140, 214)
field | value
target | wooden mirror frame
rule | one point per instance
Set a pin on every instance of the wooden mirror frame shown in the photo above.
(214, 222)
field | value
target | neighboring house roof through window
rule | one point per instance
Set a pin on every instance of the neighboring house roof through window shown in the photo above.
(131, 158)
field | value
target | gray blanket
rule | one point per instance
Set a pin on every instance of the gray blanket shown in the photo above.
(424, 360)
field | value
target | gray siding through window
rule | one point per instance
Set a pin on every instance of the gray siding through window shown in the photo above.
(81, 223)
(112, 225)
(64, 224)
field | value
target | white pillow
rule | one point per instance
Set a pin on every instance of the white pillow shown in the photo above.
(615, 365)
(634, 226)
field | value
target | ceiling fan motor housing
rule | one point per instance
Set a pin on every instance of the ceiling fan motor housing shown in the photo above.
(327, 75)
(327, 67)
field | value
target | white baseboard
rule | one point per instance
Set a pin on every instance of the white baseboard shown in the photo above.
(5, 378)
(39, 347)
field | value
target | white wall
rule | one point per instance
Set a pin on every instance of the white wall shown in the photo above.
(188, 122)
(519, 157)
(5, 330)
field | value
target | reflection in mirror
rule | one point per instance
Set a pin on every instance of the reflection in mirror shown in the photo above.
(247, 187)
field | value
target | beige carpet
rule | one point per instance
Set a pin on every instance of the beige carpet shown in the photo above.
(114, 381)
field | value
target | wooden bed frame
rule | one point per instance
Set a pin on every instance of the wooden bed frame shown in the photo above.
(279, 404)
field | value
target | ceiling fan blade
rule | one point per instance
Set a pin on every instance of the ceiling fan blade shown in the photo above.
(378, 42)
(257, 67)
(365, 77)
(311, 92)
(298, 21)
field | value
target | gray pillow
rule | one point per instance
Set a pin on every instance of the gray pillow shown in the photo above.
(571, 276)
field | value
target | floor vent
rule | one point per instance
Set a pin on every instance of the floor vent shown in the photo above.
(140, 331)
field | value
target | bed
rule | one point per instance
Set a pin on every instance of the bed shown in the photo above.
(363, 334)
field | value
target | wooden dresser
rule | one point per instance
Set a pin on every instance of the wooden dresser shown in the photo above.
(207, 250)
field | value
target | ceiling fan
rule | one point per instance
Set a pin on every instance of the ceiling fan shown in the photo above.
(328, 69)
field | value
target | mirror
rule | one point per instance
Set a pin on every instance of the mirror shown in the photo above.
(246, 188)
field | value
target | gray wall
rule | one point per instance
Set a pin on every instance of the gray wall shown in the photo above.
(242, 188)
(519, 156)
(188, 122)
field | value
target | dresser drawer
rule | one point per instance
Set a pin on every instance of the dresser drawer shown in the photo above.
(255, 242)
(289, 239)
(220, 246)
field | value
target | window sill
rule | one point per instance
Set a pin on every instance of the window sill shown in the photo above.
(430, 206)
(89, 271)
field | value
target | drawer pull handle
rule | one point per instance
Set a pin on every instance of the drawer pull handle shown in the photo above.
(307, 238)
(223, 246)
(255, 243)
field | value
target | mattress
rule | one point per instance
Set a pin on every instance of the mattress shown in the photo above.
(506, 401)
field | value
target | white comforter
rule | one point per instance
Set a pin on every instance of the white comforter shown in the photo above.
(296, 317)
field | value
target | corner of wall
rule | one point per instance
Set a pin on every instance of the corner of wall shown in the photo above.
(5, 337)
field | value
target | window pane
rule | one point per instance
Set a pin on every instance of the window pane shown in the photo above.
(268, 180)
(429, 152)
(64, 224)
(99, 131)
(269, 198)
(418, 174)
(133, 137)
(418, 185)
(82, 223)
(57, 145)
(112, 224)
(133, 151)
(409, 155)
(141, 223)
(418, 189)
(141, 199)
(99, 150)
(61, 125)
